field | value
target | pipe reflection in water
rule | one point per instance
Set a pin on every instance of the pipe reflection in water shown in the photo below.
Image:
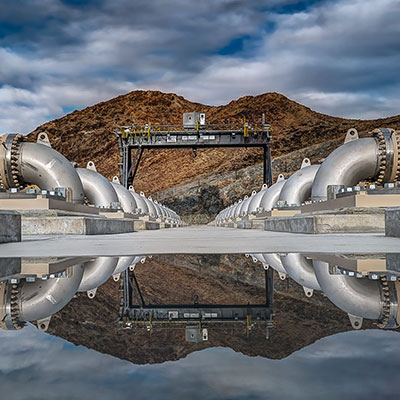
(26, 295)
(363, 286)
(360, 287)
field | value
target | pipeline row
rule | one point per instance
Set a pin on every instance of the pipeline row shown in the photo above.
(23, 164)
(371, 159)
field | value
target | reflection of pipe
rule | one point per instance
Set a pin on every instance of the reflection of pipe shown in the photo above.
(41, 299)
(356, 296)
(122, 264)
(271, 196)
(273, 260)
(347, 165)
(97, 188)
(297, 188)
(301, 270)
(96, 273)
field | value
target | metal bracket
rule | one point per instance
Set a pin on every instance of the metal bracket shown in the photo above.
(115, 179)
(305, 163)
(90, 165)
(351, 135)
(116, 277)
(280, 178)
(309, 292)
(43, 324)
(43, 138)
(91, 293)
(356, 322)
(282, 276)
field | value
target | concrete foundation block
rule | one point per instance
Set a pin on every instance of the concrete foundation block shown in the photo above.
(392, 222)
(75, 226)
(328, 223)
(257, 223)
(10, 226)
(141, 225)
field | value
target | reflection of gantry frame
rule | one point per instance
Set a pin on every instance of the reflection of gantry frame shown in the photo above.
(198, 136)
(134, 310)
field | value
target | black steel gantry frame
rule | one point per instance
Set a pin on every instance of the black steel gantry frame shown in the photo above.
(134, 311)
(139, 138)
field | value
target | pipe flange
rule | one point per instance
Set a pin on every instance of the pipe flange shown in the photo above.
(389, 304)
(389, 151)
(9, 156)
(14, 318)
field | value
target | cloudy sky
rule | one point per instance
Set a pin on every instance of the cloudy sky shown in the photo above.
(358, 365)
(340, 57)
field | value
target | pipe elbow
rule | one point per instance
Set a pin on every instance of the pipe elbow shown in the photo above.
(297, 188)
(98, 190)
(347, 165)
(274, 261)
(271, 195)
(255, 200)
(356, 296)
(47, 168)
(42, 299)
(125, 198)
(96, 273)
(301, 270)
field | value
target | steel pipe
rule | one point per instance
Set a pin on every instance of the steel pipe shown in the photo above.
(301, 270)
(271, 195)
(45, 167)
(297, 188)
(97, 272)
(41, 299)
(356, 296)
(125, 198)
(350, 163)
(98, 190)
(255, 200)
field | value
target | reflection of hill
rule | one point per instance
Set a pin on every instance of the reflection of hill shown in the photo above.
(299, 322)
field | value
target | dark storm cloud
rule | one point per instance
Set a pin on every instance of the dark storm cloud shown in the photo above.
(337, 56)
(36, 366)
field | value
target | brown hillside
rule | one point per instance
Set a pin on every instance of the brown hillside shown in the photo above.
(90, 134)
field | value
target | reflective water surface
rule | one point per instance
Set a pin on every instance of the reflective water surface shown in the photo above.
(250, 326)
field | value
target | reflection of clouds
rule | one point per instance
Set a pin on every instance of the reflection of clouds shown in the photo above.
(353, 365)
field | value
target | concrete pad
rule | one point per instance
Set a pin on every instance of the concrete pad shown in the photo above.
(45, 202)
(199, 240)
(328, 223)
(10, 226)
(75, 226)
(392, 222)
(144, 225)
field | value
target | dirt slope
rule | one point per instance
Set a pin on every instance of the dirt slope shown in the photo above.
(90, 134)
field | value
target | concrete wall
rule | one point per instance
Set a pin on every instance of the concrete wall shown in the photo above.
(10, 226)
(392, 222)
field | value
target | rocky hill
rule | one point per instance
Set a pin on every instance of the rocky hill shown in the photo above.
(89, 134)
